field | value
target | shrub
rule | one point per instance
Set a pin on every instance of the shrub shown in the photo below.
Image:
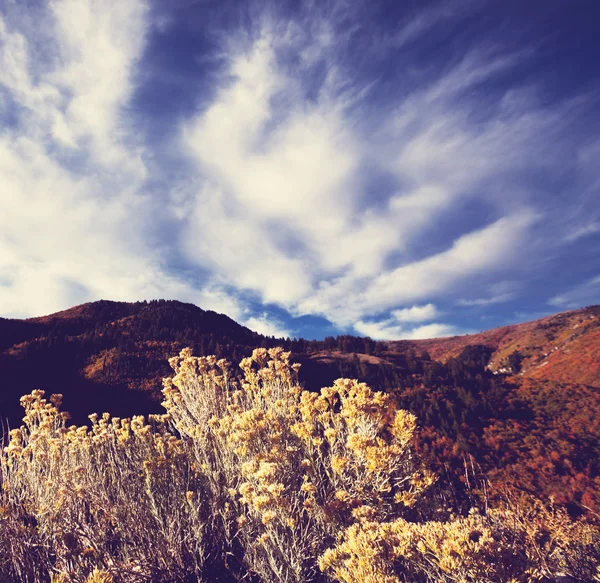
(505, 545)
(112, 497)
(286, 469)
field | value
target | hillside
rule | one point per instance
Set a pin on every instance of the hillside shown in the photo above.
(113, 355)
(108, 355)
(123, 345)
(563, 347)
(522, 402)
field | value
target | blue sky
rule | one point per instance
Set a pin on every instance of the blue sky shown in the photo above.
(393, 169)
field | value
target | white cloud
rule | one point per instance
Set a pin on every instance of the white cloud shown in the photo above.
(585, 294)
(486, 301)
(388, 331)
(282, 209)
(266, 326)
(583, 231)
(379, 330)
(395, 327)
(98, 47)
(73, 232)
(495, 293)
(436, 331)
(416, 313)
(481, 252)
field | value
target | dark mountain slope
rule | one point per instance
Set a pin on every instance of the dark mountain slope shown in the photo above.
(108, 355)
(16, 331)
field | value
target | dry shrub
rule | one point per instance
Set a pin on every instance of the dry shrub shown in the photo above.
(463, 549)
(540, 544)
(552, 540)
(111, 497)
(261, 479)
(287, 469)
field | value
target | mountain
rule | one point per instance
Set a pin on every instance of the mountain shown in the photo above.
(520, 404)
(112, 356)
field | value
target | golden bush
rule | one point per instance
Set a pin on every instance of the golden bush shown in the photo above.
(110, 496)
(287, 469)
(503, 546)
(463, 549)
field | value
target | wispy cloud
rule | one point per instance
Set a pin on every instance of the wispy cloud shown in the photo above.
(583, 231)
(585, 294)
(333, 164)
(496, 293)
(263, 324)
(72, 210)
(401, 325)
(386, 330)
(486, 301)
(416, 313)
(287, 208)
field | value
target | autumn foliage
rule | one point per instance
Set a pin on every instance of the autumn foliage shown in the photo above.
(255, 479)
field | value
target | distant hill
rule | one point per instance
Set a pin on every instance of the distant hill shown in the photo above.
(112, 355)
(522, 402)
(564, 347)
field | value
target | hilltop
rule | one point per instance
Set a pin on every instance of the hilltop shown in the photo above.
(108, 355)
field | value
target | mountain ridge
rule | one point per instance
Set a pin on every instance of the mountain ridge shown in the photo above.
(543, 349)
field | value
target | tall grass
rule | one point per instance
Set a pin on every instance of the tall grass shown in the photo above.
(256, 480)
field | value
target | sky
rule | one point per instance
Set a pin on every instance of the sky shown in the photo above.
(309, 168)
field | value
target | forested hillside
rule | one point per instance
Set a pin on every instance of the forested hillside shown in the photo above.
(563, 347)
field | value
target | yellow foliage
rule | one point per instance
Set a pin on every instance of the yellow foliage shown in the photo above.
(100, 576)
(75, 493)
(300, 463)
(500, 546)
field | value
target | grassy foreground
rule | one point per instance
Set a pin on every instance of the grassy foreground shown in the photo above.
(258, 480)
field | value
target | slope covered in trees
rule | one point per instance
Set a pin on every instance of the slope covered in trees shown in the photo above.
(563, 347)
